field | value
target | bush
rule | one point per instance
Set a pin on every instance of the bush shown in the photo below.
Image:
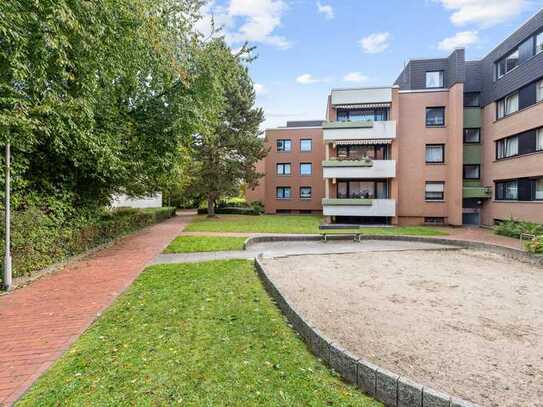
(514, 228)
(535, 245)
(258, 207)
(39, 239)
(231, 211)
(233, 203)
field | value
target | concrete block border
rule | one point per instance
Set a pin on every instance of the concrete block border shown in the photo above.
(515, 254)
(387, 387)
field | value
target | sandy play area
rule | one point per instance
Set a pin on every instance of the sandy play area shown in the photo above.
(463, 322)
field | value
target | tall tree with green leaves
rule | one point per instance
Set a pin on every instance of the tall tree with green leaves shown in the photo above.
(228, 145)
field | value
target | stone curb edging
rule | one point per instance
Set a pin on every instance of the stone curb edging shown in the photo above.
(389, 388)
(509, 252)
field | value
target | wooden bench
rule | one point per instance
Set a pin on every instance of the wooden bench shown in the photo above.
(339, 230)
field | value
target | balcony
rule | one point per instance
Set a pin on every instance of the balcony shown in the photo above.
(359, 207)
(477, 192)
(362, 169)
(362, 130)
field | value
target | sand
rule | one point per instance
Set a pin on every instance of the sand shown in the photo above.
(464, 322)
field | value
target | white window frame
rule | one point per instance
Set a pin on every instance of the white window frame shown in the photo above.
(283, 166)
(539, 90)
(539, 43)
(539, 189)
(434, 187)
(430, 79)
(539, 139)
(508, 105)
(310, 169)
(302, 144)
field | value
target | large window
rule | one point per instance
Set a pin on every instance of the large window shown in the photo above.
(358, 152)
(435, 191)
(306, 168)
(284, 145)
(362, 189)
(472, 171)
(472, 136)
(530, 47)
(539, 91)
(471, 99)
(539, 43)
(520, 144)
(357, 115)
(507, 64)
(283, 193)
(305, 192)
(305, 145)
(434, 79)
(508, 105)
(435, 153)
(523, 189)
(435, 116)
(284, 169)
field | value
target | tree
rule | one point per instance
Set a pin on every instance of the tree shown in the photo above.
(227, 145)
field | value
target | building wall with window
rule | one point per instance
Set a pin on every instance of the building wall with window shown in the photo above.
(301, 190)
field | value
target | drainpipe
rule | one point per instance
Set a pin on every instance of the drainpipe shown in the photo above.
(7, 245)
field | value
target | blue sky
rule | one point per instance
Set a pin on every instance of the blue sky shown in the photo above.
(307, 47)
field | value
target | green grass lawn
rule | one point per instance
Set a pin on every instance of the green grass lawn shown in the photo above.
(203, 334)
(292, 224)
(193, 244)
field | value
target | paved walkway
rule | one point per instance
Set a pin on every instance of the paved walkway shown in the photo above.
(281, 249)
(40, 321)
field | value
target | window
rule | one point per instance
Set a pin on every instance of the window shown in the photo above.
(472, 136)
(305, 192)
(539, 139)
(435, 116)
(356, 115)
(539, 189)
(434, 79)
(284, 145)
(471, 99)
(507, 147)
(539, 43)
(435, 153)
(362, 189)
(359, 152)
(434, 220)
(507, 191)
(306, 168)
(472, 171)
(283, 169)
(305, 145)
(528, 142)
(508, 63)
(539, 91)
(435, 191)
(283, 193)
(508, 105)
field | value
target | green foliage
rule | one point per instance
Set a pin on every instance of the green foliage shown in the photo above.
(535, 245)
(203, 334)
(40, 239)
(514, 228)
(195, 244)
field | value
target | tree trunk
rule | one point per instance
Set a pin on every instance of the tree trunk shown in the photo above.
(210, 206)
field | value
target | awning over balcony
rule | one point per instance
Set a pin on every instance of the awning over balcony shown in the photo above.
(362, 142)
(363, 106)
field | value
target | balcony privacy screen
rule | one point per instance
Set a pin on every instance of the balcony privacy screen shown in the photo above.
(362, 142)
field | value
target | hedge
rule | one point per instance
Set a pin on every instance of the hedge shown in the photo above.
(38, 241)
(231, 211)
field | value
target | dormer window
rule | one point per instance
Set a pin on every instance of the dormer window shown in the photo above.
(434, 79)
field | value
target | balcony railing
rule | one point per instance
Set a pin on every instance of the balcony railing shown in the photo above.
(363, 169)
(477, 192)
(363, 130)
(359, 207)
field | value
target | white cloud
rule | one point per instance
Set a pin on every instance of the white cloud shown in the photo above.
(245, 20)
(355, 77)
(483, 12)
(325, 9)
(460, 40)
(307, 79)
(260, 89)
(375, 43)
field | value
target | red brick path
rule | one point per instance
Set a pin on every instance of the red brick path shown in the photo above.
(40, 321)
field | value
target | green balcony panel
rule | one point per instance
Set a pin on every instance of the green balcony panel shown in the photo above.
(477, 192)
(348, 125)
(472, 183)
(472, 117)
(347, 202)
(347, 163)
(472, 153)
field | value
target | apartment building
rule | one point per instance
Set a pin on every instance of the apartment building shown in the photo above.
(450, 142)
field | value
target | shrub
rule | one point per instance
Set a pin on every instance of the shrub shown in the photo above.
(535, 245)
(514, 228)
(39, 239)
(231, 211)
(258, 207)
